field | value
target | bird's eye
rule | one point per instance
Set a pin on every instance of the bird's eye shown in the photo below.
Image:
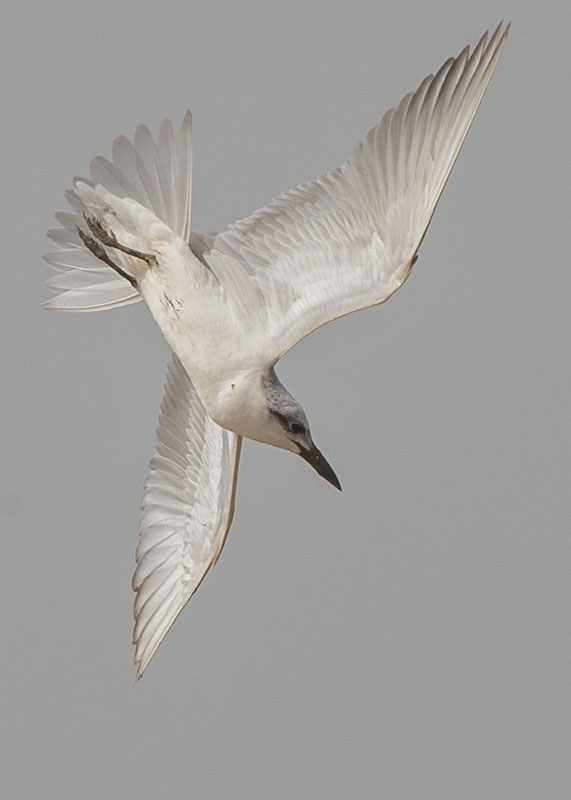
(295, 427)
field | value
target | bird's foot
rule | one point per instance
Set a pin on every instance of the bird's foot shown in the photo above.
(109, 239)
(98, 251)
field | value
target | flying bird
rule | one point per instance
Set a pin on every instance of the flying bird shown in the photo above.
(230, 305)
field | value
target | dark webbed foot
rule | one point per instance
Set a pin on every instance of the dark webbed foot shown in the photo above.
(98, 251)
(108, 238)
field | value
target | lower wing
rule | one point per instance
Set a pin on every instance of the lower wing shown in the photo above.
(187, 509)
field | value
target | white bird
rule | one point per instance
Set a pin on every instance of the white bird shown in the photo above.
(231, 305)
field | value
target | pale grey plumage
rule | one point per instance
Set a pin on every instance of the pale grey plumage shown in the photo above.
(231, 305)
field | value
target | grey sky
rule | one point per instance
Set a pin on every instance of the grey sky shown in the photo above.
(408, 638)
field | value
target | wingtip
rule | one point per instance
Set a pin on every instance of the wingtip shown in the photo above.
(139, 668)
(501, 31)
(499, 34)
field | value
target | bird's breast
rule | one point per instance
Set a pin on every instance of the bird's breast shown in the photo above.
(234, 401)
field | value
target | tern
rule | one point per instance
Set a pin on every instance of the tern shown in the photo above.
(231, 305)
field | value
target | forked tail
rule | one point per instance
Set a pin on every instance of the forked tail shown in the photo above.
(157, 176)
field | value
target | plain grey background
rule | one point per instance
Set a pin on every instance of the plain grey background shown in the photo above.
(408, 638)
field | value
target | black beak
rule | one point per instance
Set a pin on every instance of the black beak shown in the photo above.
(314, 457)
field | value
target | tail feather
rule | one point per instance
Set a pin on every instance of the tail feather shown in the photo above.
(99, 297)
(158, 176)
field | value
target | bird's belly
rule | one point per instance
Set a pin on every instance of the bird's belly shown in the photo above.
(213, 347)
(225, 384)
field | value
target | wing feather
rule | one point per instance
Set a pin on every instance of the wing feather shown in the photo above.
(348, 240)
(186, 511)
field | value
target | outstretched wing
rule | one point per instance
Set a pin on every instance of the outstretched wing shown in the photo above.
(158, 175)
(188, 503)
(348, 240)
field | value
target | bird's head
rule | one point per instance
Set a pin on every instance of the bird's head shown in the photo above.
(288, 428)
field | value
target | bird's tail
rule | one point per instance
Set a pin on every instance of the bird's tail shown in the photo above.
(157, 176)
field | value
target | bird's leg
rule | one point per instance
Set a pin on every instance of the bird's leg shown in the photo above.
(108, 238)
(98, 251)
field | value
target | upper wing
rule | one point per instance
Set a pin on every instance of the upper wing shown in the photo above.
(188, 502)
(158, 175)
(348, 239)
